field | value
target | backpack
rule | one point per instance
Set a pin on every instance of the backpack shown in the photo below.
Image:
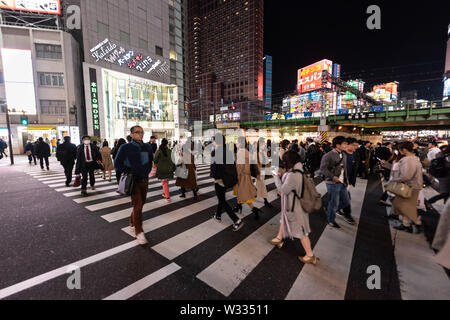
(310, 199)
(230, 178)
(438, 167)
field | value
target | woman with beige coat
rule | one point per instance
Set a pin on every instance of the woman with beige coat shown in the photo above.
(108, 165)
(410, 173)
(245, 190)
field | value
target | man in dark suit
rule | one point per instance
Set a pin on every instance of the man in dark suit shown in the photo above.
(66, 153)
(43, 152)
(88, 160)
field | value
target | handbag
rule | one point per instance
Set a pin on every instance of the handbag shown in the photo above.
(182, 172)
(126, 184)
(399, 189)
(77, 181)
(28, 153)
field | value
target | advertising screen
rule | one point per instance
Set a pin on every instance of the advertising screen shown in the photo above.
(310, 77)
(385, 92)
(19, 81)
(305, 102)
(40, 6)
(447, 87)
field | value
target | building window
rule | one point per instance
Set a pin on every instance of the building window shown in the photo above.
(53, 107)
(124, 37)
(48, 51)
(143, 44)
(159, 51)
(51, 79)
(102, 29)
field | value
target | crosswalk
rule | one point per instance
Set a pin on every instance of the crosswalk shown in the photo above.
(185, 239)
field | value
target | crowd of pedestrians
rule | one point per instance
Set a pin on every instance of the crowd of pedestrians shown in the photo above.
(242, 168)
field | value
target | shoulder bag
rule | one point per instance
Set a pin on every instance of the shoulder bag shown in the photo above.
(126, 184)
(399, 189)
(181, 171)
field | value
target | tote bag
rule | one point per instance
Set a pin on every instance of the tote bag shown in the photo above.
(126, 184)
(182, 172)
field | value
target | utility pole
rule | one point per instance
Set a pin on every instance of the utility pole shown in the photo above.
(11, 153)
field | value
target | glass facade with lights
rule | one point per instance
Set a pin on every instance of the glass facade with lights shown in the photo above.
(130, 101)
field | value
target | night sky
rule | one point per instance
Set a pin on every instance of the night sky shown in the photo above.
(410, 47)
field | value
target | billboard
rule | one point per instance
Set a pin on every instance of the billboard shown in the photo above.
(310, 77)
(39, 6)
(385, 92)
(447, 87)
(19, 81)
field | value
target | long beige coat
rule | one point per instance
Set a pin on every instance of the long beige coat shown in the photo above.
(246, 191)
(106, 158)
(260, 185)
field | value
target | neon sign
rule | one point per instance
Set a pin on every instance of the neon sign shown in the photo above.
(94, 101)
(112, 53)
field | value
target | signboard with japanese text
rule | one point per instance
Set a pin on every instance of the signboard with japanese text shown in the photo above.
(94, 101)
(38, 6)
(110, 52)
(310, 77)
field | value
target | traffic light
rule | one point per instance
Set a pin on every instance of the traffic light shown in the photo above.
(24, 120)
(233, 107)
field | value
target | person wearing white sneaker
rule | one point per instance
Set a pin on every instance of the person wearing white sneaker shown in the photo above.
(141, 238)
(136, 157)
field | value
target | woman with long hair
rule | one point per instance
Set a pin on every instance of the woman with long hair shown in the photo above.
(294, 221)
(121, 142)
(245, 190)
(164, 167)
(410, 173)
(186, 155)
(108, 165)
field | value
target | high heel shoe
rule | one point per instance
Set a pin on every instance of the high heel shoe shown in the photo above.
(256, 212)
(277, 242)
(238, 208)
(311, 260)
(267, 203)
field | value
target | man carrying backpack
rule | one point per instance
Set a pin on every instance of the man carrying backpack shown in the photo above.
(223, 170)
(334, 167)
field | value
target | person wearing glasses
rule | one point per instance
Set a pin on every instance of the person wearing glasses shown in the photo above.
(136, 157)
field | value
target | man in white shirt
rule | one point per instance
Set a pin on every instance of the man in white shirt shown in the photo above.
(433, 150)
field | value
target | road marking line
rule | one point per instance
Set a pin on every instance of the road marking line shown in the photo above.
(139, 286)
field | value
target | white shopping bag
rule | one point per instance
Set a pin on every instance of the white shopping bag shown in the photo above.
(421, 201)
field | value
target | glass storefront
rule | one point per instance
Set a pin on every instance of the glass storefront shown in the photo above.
(133, 101)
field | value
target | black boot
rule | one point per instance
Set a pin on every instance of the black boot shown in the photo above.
(267, 203)
(256, 212)
(195, 194)
(183, 193)
(238, 208)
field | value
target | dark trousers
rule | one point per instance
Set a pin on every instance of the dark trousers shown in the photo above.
(41, 160)
(223, 204)
(118, 175)
(32, 157)
(138, 198)
(88, 169)
(68, 168)
(439, 197)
